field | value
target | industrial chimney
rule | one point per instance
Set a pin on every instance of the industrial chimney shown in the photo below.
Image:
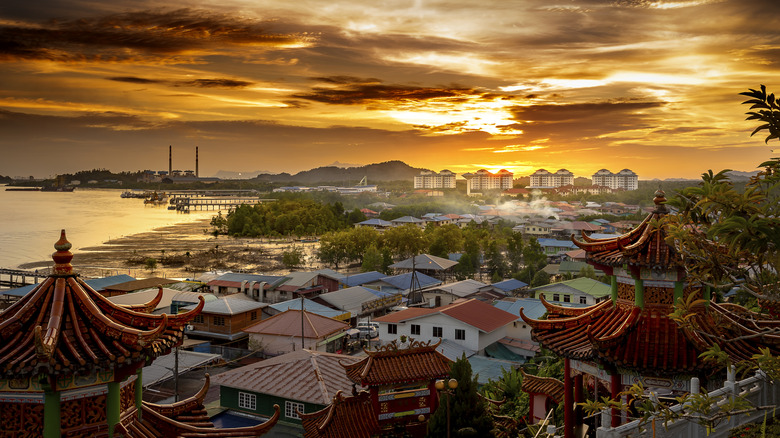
(196, 161)
(170, 161)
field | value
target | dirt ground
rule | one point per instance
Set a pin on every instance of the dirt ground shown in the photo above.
(184, 250)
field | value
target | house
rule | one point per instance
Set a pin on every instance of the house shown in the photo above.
(581, 290)
(531, 306)
(444, 294)
(427, 264)
(360, 279)
(360, 301)
(507, 288)
(309, 306)
(253, 285)
(298, 382)
(225, 318)
(375, 223)
(309, 284)
(403, 283)
(556, 248)
(408, 220)
(294, 330)
(471, 324)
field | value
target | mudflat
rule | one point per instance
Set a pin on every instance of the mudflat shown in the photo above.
(184, 250)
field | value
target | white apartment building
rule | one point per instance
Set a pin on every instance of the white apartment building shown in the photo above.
(432, 180)
(543, 179)
(484, 180)
(625, 179)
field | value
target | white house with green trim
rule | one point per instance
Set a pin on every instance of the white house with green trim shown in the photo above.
(581, 290)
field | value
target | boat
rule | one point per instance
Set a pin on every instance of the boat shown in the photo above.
(22, 189)
(156, 198)
(57, 189)
(133, 194)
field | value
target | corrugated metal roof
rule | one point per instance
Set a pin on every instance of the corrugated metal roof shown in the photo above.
(583, 284)
(509, 285)
(304, 375)
(404, 281)
(473, 312)
(425, 262)
(162, 367)
(454, 351)
(231, 306)
(530, 306)
(362, 278)
(310, 306)
(352, 298)
(459, 289)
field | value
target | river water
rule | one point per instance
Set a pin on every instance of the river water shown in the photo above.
(30, 222)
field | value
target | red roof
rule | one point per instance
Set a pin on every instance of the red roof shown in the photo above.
(392, 364)
(549, 386)
(288, 323)
(345, 417)
(473, 312)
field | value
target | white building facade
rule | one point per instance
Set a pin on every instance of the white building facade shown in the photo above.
(484, 180)
(544, 179)
(432, 180)
(625, 179)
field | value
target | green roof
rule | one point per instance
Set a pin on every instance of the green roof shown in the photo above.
(583, 284)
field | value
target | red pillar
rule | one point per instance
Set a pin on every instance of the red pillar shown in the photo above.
(578, 398)
(531, 415)
(568, 401)
(616, 388)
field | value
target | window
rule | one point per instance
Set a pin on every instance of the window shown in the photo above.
(253, 316)
(556, 297)
(198, 319)
(219, 320)
(460, 334)
(583, 300)
(567, 298)
(437, 332)
(392, 329)
(247, 401)
(415, 329)
(291, 409)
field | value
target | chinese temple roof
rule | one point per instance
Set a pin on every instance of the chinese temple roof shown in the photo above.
(549, 386)
(345, 417)
(633, 330)
(392, 364)
(644, 246)
(186, 418)
(64, 327)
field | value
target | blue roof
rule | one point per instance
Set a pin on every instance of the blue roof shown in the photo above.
(408, 219)
(532, 307)
(96, 283)
(486, 368)
(309, 306)
(557, 243)
(509, 285)
(376, 221)
(404, 281)
(362, 278)
(239, 277)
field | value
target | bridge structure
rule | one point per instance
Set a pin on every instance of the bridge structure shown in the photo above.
(189, 203)
(13, 278)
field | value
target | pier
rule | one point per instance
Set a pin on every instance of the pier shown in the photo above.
(188, 202)
(13, 278)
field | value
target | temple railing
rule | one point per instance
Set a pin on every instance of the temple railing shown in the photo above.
(758, 390)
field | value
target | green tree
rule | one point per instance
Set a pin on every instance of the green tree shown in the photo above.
(405, 241)
(445, 240)
(372, 260)
(468, 411)
(540, 279)
(293, 257)
(514, 251)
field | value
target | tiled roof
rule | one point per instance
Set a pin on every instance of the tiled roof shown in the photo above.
(392, 364)
(345, 417)
(64, 327)
(424, 262)
(549, 386)
(303, 375)
(473, 312)
(288, 323)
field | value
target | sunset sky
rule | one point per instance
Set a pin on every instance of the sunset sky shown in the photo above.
(285, 86)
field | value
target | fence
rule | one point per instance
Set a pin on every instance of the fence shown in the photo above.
(758, 390)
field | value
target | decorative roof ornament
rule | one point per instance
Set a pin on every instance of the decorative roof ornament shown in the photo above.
(62, 257)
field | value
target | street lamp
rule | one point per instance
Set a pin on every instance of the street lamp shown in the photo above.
(451, 385)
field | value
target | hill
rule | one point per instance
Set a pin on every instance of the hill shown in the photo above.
(349, 176)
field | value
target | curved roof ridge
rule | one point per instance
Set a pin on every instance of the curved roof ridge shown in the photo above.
(207, 432)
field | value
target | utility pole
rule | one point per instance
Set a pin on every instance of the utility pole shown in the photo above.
(302, 310)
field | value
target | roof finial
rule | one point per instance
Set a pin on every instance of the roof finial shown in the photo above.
(660, 201)
(63, 256)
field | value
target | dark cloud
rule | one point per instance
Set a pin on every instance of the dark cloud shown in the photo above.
(343, 80)
(135, 36)
(134, 80)
(213, 83)
(353, 94)
(581, 111)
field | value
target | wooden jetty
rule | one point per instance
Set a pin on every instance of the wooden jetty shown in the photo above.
(188, 203)
(13, 278)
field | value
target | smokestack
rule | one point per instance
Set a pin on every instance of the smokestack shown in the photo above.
(196, 161)
(170, 161)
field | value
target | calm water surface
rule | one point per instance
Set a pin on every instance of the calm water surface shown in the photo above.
(30, 222)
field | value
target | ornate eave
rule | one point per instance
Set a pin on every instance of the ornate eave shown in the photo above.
(549, 386)
(64, 327)
(392, 364)
(345, 417)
